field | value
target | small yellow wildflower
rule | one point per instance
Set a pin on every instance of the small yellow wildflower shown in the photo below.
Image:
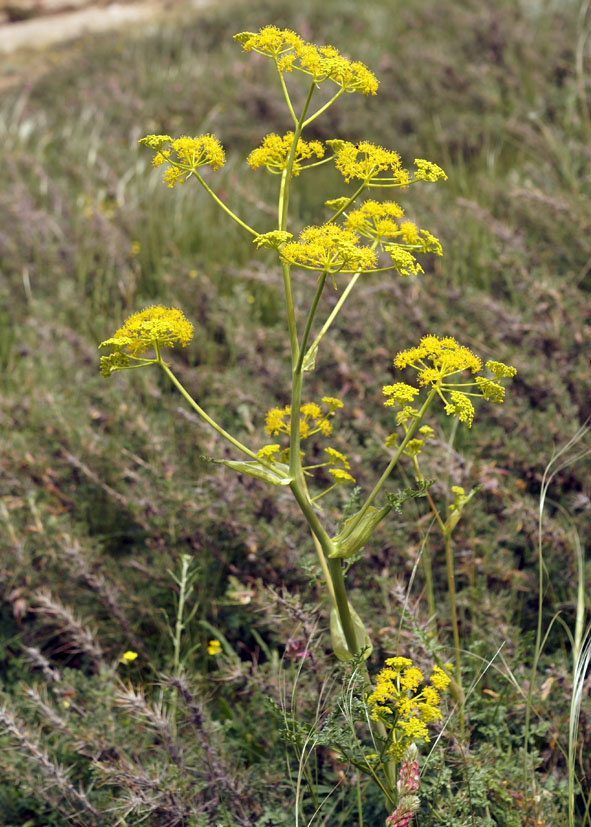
(376, 219)
(154, 327)
(128, 657)
(491, 391)
(273, 42)
(214, 647)
(274, 152)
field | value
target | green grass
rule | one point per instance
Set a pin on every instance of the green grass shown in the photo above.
(103, 486)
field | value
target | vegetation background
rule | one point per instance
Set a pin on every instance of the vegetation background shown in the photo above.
(102, 484)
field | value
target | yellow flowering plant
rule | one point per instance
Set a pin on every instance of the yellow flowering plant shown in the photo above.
(362, 236)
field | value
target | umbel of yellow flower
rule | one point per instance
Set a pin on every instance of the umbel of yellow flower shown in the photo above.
(154, 327)
(321, 63)
(379, 167)
(189, 155)
(436, 361)
(331, 249)
(381, 221)
(274, 152)
(402, 706)
(313, 420)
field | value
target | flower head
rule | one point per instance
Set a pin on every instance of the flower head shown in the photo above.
(128, 657)
(154, 327)
(329, 248)
(290, 52)
(436, 361)
(189, 155)
(274, 153)
(366, 161)
(427, 171)
(214, 647)
(405, 704)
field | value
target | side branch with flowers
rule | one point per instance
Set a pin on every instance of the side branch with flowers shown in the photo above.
(358, 239)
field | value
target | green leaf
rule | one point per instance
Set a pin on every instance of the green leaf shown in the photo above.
(338, 640)
(396, 500)
(350, 540)
(278, 475)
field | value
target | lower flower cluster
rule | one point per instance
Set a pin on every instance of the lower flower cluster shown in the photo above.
(399, 702)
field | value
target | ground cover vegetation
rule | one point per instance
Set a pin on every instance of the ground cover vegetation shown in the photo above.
(165, 655)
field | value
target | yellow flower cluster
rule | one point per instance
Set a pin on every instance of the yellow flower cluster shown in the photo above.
(427, 171)
(321, 63)
(380, 220)
(376, 219)
(153, 327)
(191, 153)
(314, 419)
(403, 707)
(366, 161)
(400, 393)
(437, 359)
(274, 152)
(331, 249)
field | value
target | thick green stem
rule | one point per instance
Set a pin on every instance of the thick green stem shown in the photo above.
(338, 581)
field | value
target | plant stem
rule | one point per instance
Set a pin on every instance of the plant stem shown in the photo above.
(187, 396)
(309, 320)
(221, 204)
